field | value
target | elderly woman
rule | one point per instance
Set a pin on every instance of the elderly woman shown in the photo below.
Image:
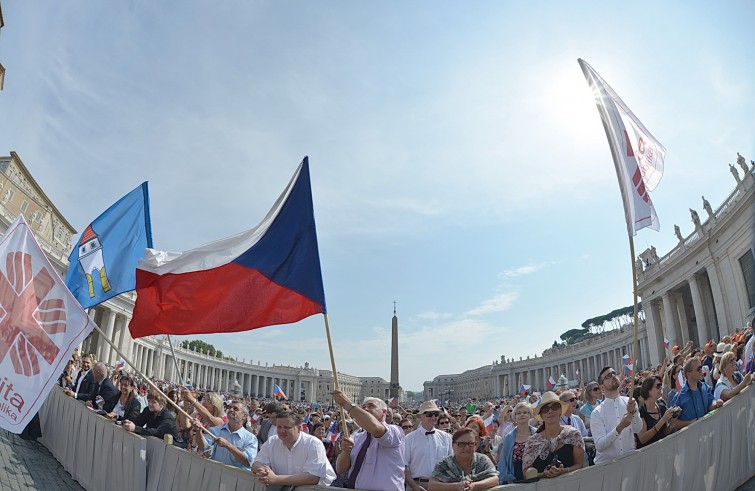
(554, 449)
(465, 470)
(123, 405)
(510, 462)
(444, 422)
(407, 425)
(654, 413)
(726, 388)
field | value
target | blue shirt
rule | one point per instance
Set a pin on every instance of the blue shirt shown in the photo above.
(694, 403)
(241, 439)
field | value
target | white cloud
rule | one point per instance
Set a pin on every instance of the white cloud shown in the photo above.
(433, 316)
(498, 303)
(525, 270)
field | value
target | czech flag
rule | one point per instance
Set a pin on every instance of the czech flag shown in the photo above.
(305, 424)
(626, 359)
(393, 402)
(551, 383)
(120, 364)
(278, 392)
(628, 369)
(265, 276)
(523, 389)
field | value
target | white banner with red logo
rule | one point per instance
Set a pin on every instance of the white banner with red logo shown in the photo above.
(40, 325)
(637, 155)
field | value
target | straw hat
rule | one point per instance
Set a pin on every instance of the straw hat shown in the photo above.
(548, 398)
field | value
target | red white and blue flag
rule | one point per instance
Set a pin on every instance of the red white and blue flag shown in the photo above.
(666, 342)
(265, 276)
(551, 383)
(626, 359)
(278, 392)
(40, 323)
(523, 389)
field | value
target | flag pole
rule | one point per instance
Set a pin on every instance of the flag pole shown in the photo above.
(170, 401)
(344, 427)
(636, 316)
(175, 361)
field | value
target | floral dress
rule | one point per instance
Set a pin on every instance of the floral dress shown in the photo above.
(538, 450)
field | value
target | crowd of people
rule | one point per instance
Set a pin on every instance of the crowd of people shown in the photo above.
(434, 446)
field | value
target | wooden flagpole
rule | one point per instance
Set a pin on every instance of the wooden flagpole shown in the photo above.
(175, 361)
(636, 315)
(344, 426)
(170, 401)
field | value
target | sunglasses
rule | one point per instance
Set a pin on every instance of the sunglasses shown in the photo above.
(431, 415)
(572, 399)
(444, 422)
(407, 427)
(551, 407)
(466, 444)
(595, 389)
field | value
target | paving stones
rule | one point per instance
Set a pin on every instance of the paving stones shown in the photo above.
(28, 465)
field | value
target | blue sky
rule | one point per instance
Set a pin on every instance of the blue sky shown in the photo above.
(459, 166)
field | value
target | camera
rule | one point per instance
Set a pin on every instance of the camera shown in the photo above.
(677, 411)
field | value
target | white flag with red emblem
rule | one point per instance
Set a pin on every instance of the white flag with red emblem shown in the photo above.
(40, 325)
(637, 155)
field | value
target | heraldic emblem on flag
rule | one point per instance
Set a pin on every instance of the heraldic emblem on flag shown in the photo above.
(40, 324)
(103, 262)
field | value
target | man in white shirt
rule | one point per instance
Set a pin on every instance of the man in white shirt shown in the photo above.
(615, 421)
(292, 458)
(425, 447)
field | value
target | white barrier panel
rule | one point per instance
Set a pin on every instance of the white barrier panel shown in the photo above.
(97, 453)
(717, 453)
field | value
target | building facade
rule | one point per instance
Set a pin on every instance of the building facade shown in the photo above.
(704, 288)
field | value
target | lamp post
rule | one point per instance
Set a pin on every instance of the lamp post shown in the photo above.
(448, 391)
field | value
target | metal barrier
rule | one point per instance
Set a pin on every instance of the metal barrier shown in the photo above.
(716, 453)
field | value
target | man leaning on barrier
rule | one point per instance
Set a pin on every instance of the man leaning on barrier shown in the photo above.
(235, 445)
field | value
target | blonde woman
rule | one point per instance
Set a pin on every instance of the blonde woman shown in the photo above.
(725, 388)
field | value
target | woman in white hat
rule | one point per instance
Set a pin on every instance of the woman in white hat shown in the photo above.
(554, 449)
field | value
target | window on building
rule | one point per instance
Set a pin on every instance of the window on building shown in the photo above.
(24, 206)
(747, 262)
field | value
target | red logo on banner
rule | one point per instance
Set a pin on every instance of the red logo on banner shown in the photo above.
(26, 319)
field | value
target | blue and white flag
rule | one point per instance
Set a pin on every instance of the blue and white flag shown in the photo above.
(103, 262)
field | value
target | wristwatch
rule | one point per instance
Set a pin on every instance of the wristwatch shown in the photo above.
(351, 407)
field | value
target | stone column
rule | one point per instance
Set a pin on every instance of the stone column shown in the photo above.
(669, 311)
(656, 350)
(718, 302)
(697, 303)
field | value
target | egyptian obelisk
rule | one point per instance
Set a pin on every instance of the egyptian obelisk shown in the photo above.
(394, 355)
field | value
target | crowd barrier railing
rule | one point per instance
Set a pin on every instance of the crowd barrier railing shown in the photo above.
(716, 453)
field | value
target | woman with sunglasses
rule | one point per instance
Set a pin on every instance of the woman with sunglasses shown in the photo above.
(474, 471)
(444, 423)
(554, 449)
(407, 425)
(654, 413)
(510, 462)
(590, 398)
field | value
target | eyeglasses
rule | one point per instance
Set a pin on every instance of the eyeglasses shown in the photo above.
(550, 407)
(595, 389)
(572, 399)
(607, 375)
(466, 444)
(431, 415)
(407, 427)
(444, 422)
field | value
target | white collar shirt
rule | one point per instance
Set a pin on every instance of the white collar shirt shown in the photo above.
(422, 451)
(609, 444)
(306, 455)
